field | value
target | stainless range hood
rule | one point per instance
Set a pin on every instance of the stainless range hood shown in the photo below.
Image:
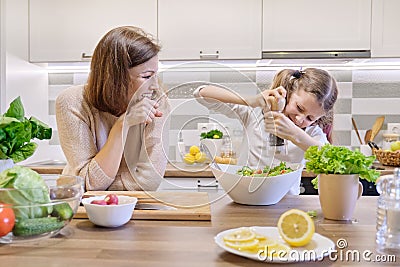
(316, 54)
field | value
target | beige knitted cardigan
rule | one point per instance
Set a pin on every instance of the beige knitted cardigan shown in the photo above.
(83, 131)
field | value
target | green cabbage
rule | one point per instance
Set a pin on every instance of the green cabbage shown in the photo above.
(30, 193)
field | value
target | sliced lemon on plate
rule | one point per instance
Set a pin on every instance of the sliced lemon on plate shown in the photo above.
(240, 235)
(296, 227)
(243, 245)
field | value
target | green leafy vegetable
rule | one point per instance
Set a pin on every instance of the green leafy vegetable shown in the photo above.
(16, 133)
(213, 134)
(330, 159)
(31, 190)
(312, 213)
(267, 171)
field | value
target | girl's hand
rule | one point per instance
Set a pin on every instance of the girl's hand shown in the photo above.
(277, 123)
(143, 111)
(273, 99)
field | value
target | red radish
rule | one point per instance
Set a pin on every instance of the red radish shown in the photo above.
(99, 202)
(111, 199)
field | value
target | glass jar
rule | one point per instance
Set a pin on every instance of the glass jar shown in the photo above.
(388, 214)
(228, 153)
(388, 139)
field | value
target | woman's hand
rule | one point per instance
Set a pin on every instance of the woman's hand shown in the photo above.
(143, 111)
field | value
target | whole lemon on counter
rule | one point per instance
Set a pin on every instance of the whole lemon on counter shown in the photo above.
(193, 150)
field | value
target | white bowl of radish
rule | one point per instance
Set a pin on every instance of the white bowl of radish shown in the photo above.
(109, 210)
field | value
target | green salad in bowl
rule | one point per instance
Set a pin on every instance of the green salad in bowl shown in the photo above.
(266, 171)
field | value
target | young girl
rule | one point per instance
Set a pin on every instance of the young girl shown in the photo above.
(120, 106)
(309, 96)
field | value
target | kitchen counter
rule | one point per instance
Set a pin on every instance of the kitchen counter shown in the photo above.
(179, 169)
(190, 243)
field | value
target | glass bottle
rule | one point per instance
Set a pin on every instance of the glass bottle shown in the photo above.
(388, 214)
(228, 154)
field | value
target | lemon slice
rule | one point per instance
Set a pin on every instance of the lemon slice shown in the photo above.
(240, 235)
(243, 245)
(189, 158)
(296, 227)
(200, 157)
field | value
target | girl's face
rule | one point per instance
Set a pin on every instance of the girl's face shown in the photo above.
(144, 81)
(303, 108)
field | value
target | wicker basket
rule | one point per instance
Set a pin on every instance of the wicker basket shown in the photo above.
(387, 157)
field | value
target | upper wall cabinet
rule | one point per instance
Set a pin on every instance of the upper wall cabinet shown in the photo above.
(385, 37)
(316, 25)
(209, 29)
(68, 30)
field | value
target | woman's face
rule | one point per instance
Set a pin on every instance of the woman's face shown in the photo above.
(144, 79)
(303, 108)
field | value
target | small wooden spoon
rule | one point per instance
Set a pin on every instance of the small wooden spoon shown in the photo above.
(367, 136)
(377, 127)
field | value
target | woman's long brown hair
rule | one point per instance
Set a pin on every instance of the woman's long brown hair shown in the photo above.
(119, 50)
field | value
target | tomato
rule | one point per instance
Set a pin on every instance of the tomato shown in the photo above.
(111, 199)
(258, 171)
(7, 220)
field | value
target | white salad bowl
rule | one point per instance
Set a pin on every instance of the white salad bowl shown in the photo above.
(256, 190)
(110, 215)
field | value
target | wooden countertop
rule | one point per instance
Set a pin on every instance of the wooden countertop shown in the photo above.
(179, 169)
(189, 243)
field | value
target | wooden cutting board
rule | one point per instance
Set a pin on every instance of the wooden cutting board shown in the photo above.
(192, 206)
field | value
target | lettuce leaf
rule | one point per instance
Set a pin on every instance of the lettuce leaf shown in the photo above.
(330, 159)
(30, 190)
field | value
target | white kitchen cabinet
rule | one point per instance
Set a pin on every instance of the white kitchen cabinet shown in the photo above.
(385, 37)
(316, 25)
(61, 30)
(208, 29)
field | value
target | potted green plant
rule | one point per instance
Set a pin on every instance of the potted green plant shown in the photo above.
(16, 133)
(338, 171)
(213, 140)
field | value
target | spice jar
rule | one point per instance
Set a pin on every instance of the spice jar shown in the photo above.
(228, 155)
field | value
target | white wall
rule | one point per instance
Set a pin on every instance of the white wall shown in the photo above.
(24, 79)
(2, 58)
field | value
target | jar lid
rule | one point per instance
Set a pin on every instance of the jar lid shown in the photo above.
(390, 135)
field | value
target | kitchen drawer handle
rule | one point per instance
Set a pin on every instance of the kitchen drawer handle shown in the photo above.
(207, 185)
(86, 56)
(209, 55)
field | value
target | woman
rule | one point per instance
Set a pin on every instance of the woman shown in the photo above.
(309, 96)
(116, 108)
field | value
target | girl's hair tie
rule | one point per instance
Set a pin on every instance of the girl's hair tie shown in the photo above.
(297, 74)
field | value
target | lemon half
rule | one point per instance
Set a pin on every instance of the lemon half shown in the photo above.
(296, 227)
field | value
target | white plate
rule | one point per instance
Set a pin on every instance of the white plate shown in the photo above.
(319, 247)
